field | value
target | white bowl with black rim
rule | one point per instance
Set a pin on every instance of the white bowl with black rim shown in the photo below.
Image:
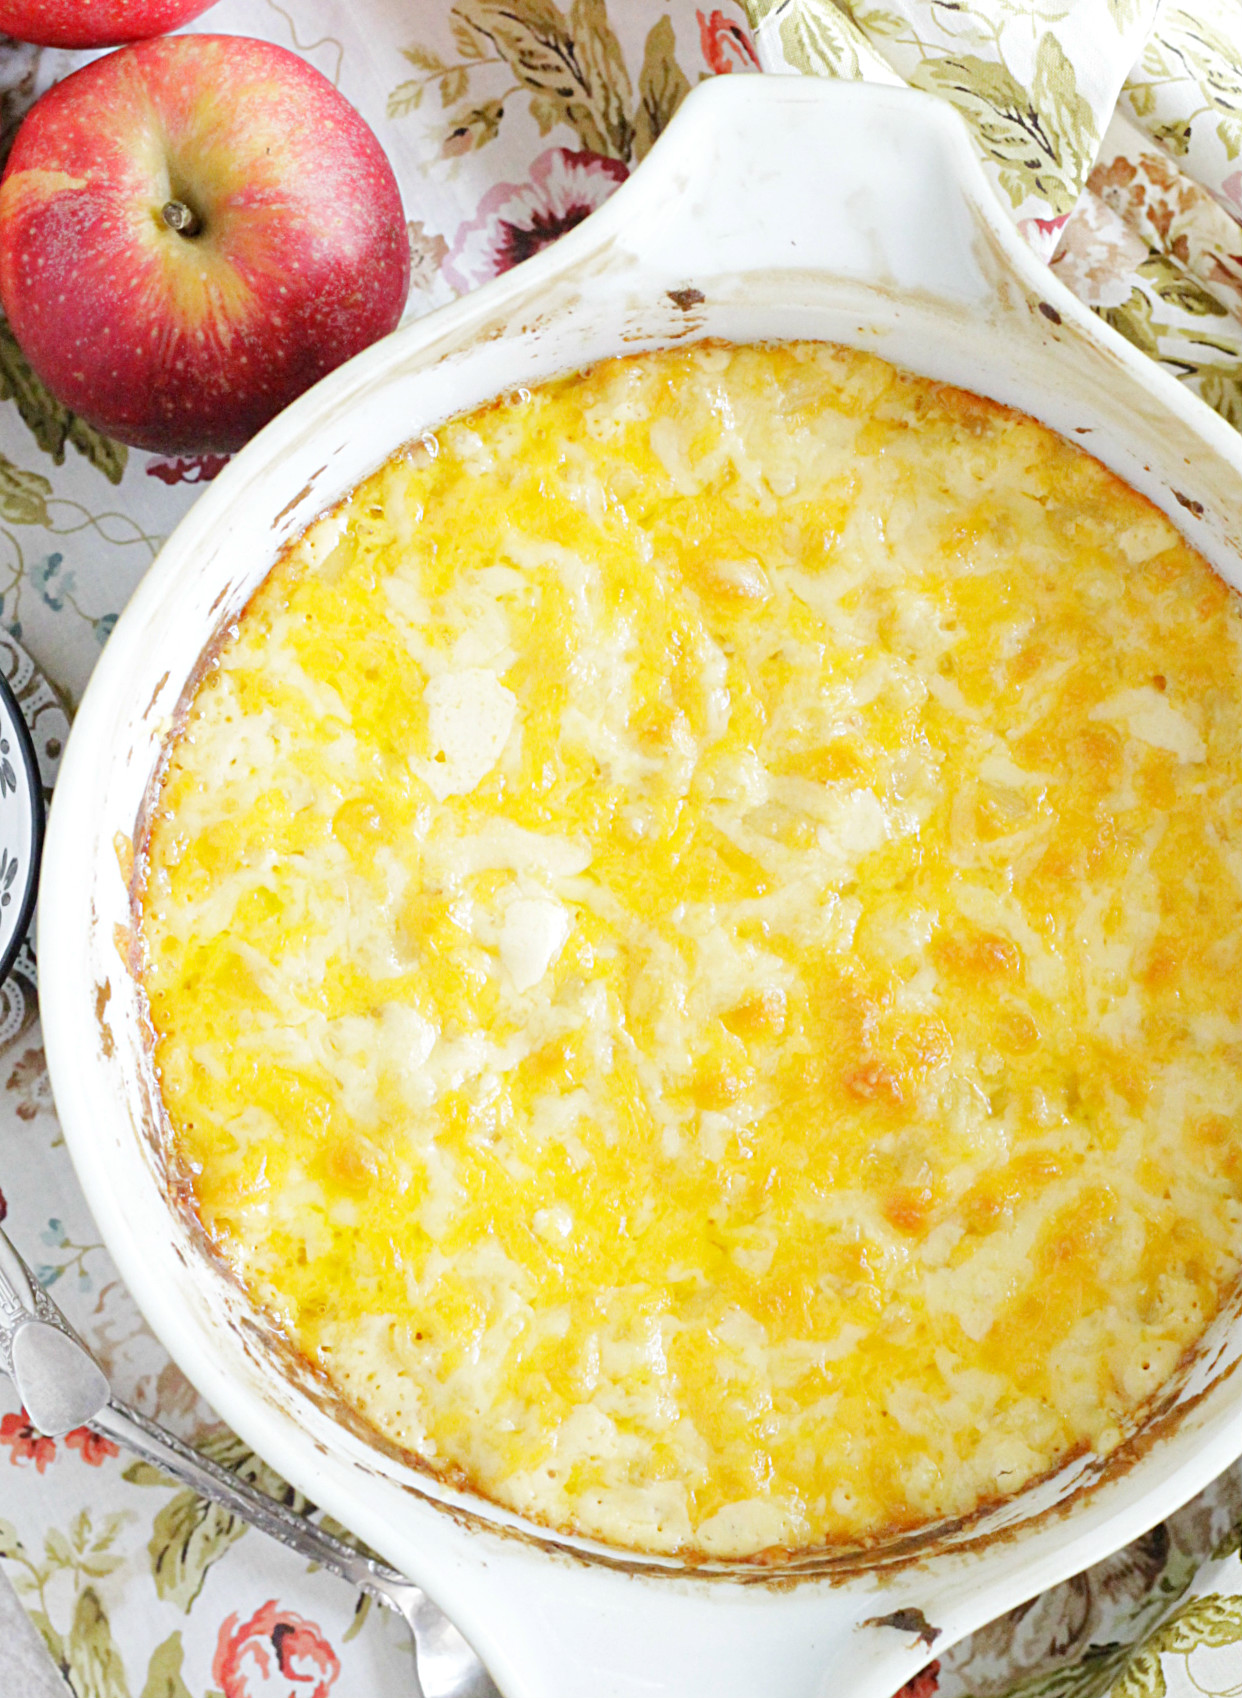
(21, 827)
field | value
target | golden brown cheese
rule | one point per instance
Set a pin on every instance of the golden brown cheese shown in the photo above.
(695, 944)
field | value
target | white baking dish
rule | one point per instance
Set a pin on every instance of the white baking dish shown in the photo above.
(773, 207)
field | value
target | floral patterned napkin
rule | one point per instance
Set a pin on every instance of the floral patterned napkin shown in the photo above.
(1113, 132)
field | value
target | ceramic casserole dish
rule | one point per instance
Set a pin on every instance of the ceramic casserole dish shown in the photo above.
(773, 208)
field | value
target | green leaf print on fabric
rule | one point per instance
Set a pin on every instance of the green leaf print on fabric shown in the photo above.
(422, 58)
(570, 66)
(164, 1671)
(1192, 70)
(1208, 57)
(874, 20)
(451, 81)
(1175, 135)
(1133, 319)
(1154, 61)
(91, 1553)
(1177, 288)
(1066, 114)
(822, 41)
(52, 1640)
(191, 1534)
(1207, 1622)
(406, 98)
(546, 113)
(95, 1666)
(1022, 144)
(1167, 317)
(533, 38)
(662, 86)
(604, 74)
(23, 495)
(146, 1474)
(85, 1553)
(1142, 1677)
(465, 40)
(1210, 1620)
(453, 85)
(51, 424)
(10, 1544)
(475, 129)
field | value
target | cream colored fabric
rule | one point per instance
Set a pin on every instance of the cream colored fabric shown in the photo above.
(1111, 129)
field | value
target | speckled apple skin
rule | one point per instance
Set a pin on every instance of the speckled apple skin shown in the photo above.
(190, 345)
(93, 23)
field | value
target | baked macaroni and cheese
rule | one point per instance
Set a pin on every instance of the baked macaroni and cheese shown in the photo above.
(693, 934)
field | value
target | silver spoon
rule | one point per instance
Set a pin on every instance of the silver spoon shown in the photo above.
(62, 1386)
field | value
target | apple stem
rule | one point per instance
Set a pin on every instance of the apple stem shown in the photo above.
(182, 218)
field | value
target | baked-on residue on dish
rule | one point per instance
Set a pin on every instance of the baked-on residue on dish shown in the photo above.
(694, 941)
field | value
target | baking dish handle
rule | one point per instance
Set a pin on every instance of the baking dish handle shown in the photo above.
(875, 184)
(604, 1630)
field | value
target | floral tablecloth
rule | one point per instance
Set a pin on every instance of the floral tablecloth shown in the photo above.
(1112, 130)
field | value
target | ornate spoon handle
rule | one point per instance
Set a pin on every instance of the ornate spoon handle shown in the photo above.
(155, 1444)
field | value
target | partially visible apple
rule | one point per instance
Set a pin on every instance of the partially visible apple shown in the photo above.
(192, 231)
(93, 23)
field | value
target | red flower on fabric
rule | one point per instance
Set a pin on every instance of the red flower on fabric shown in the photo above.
(198, 468)
(516, 220)
(94, 1446)
(726, 45)
(26, 1443)
(924, 1685)
(276, 1654)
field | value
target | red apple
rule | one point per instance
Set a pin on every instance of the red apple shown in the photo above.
(93, 23)
(192, 231)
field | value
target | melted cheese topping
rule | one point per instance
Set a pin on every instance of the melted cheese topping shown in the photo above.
(695, 944)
